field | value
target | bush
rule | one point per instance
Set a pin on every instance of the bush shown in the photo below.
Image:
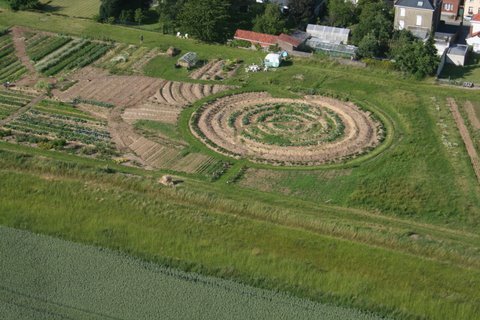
(23, 4)
(240, 44)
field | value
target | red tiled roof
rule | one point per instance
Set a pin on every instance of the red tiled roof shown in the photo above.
(476, 17)
(476, 34)
(289, 39)
(262, 38)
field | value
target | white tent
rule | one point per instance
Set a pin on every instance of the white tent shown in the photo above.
(273, 60)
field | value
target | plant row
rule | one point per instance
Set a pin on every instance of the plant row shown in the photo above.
(75, 56)
(44, 48)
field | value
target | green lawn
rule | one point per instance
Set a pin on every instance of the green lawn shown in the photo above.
(73, 8)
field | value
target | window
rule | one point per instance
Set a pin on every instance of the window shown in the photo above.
(420, 4)
(470, 10)
(419, 21)
(401, 24)
(448, 7)
(402, 12)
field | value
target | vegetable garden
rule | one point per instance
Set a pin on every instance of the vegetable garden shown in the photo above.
(55, 54)
(10, 101)
(11, 68)
(58, 125)
(311, 131)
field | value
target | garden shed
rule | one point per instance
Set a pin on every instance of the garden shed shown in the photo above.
(188, 60)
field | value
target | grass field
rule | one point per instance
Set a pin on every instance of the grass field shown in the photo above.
(97, 208)
(30, 261)
(395, 231)
(73, 8)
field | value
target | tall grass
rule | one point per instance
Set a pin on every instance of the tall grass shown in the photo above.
(141, 218)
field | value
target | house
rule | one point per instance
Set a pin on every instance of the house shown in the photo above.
(421, 17)
(475, 24)
(284, 41)
(256, 38)
(450, 9)
(289, 43)
(328, 34)
(283, 4)
(474, 41)
(472, 8)
(188, 60)
(457, 54)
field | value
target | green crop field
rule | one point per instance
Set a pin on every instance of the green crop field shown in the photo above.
(30, 261)
(390, 226)
(73, 8)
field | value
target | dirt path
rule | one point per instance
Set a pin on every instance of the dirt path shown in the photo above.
(467, 140)
(21, 111)
(21, 52)
(472, 116)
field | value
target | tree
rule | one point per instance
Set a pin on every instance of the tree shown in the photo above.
(413, 56)
(206, 20)
(139, 16)
(375, 18)
(301, 11)
(342, 13)
(113, 8)
(368, 47)
(271, 21)
(23, 4)
(126, 16)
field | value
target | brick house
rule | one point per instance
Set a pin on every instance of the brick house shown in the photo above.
(450, 8)
(284, 41)
(256, 38)
(421, 17)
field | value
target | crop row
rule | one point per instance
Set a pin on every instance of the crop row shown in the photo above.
(49, 45)
(75, 55)
(11, 68)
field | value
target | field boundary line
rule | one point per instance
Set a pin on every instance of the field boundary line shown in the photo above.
(467, 140)
(21, 110)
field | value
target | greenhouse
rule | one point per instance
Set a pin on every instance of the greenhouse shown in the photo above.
(332, 49)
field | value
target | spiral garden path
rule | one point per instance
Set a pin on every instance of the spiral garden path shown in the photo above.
(309, 131)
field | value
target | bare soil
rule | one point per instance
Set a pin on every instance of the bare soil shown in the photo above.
(361, 132)
(472, 116)
(467, 140)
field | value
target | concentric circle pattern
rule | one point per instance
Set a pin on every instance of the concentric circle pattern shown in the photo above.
(311, 131)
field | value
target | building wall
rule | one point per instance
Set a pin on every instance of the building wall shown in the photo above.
(410, 18)
(457, 60)
(471, 7)
(451, 7)
(430, 19)
(285, 45)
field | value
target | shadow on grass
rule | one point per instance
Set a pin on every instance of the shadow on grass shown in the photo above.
(471, 71)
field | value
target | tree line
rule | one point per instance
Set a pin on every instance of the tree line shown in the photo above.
(370, 22)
